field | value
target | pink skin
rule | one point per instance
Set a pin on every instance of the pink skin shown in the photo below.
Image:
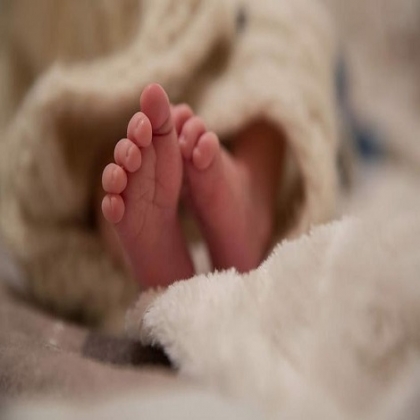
(232, 196)
(143, 188)
(223, 199)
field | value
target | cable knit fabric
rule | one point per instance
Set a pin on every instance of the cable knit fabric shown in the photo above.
(74, 72)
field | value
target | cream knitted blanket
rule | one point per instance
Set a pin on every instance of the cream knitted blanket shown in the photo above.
(74, 72)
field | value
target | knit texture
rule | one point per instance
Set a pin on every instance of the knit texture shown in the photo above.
(85, 66)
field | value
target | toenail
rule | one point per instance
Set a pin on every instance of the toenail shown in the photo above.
(139, 118)
(138, 124)
(128, 151)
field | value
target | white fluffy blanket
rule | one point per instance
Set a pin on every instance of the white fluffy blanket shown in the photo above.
(329, 324)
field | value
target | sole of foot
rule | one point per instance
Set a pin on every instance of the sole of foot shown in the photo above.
(142, 193)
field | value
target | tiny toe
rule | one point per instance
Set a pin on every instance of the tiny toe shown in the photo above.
(190, 134)
(181, 114)
(139, 130)
(154, 102)
(114, 179)
(128, 155)
(207, 148)
(113, 208)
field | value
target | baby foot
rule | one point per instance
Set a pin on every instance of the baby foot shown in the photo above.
(223, 199)
(143, 188)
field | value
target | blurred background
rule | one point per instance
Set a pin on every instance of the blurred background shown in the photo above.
(379, 58)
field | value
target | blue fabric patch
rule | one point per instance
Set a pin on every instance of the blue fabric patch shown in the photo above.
(367, 142)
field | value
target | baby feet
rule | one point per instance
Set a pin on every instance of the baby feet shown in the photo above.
(224, 199)
(143, 188)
